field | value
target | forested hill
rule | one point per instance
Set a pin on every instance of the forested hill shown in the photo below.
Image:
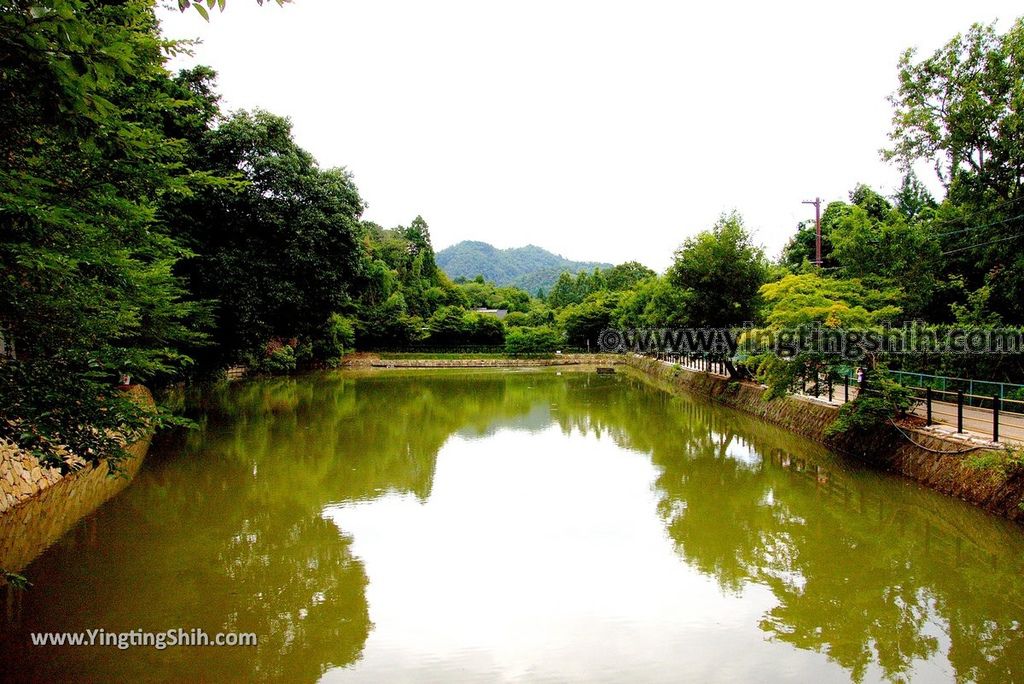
(530, 268)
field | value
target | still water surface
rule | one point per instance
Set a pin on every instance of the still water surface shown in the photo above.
(528, 526)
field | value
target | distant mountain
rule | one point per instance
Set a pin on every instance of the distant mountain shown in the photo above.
(527, 267)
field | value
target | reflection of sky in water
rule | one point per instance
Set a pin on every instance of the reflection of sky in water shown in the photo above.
(522, 526)
(540, 556)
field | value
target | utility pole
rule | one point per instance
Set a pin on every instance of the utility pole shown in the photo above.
(817, 228)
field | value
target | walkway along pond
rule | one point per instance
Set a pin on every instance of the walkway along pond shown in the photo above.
(530, 524)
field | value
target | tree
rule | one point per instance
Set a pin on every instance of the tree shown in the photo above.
(584, 322)
(889, 249)
(831, 302)
(280, 254)
(655, 303)
(796, 306)
(912, 199)
(485, 329)
(959, 109)
(88, 283)
(724, 269)
(448, 325)
(627, 276)
(388, 323)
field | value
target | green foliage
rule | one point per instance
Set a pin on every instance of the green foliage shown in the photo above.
(453, 325)
(86, 270)
(448, 325)
(485, 329)
(913, 200)
(584, 322)
(724, 270)
(88, 282)
(490, 296)
(655, 303)
(1004, 463)
(872, 410)
(14, 580)
(865, 246)
(291, 262)
(525, 341)
(278, 358)
(339, 337)
(833, 302)
(861, 417)
(959, 111)
(388, 323)
(203, 6)
(627, 276)
(569, 289)
(779, 375)
(53, 404)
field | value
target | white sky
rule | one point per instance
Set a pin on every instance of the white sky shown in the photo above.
(597, 130)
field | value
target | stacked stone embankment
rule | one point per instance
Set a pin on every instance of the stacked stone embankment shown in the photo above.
(38, 503)
(936, 461)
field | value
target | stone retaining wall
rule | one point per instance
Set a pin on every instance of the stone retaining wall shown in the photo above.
(22, 476)
(911, 455)
(38, 504)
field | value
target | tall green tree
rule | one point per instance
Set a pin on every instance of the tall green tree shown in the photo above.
(88, 284)
(724, 269)
(959, 109)
(280, 252)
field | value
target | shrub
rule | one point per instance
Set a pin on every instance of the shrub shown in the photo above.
(339, 336)
(485, 329)
(531, 341)
(280, 359)
(1005, 462)
(873, 409)
(53, 403)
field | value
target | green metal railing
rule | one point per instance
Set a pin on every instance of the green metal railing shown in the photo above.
(983, 389)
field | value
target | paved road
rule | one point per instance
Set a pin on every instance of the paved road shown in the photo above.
(977, 421)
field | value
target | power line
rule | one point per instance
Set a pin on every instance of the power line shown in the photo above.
(987, 225)
(989, 210)
(982, 244)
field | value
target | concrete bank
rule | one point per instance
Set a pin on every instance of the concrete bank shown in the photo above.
(917, 454)
(38, 504)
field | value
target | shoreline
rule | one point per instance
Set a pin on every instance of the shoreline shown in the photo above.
(887, 450)
(38, 509)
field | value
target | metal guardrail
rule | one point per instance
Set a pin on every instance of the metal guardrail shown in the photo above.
(971, 387)
(939, 402)
(840, 386)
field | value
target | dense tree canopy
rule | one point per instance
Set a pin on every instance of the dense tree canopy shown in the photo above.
(147, 231)
(279, 253)
(88, 284)
(725, 268)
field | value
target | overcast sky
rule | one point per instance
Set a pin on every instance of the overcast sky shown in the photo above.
(597, 130)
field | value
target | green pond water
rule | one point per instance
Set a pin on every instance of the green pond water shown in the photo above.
(541, 526)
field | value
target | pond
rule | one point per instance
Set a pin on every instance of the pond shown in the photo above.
(545, 525)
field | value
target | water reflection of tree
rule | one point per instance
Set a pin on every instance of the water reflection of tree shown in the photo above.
(845, 560)
(225, 529)
(200, 551)
(855, 568)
